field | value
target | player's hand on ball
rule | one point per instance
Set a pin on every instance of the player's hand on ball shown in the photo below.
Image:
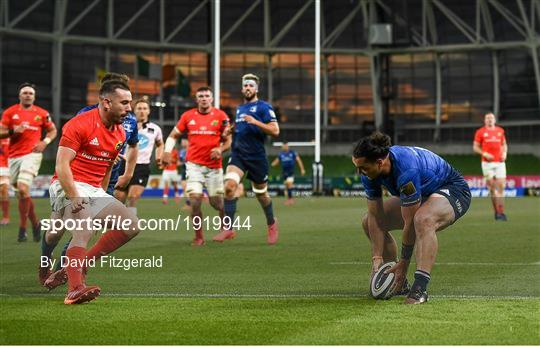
(376, 263)
(165, 158)
(400, 271)
(215, 153)
(77, 204)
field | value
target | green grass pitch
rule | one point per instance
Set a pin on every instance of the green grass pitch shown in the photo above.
(311, 288)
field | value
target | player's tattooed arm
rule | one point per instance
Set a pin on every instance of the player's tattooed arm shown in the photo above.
(271, 128)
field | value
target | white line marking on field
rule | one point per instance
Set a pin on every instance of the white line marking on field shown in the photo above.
(269, 296)
(449, 264)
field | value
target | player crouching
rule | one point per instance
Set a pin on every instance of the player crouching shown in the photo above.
(88, 147)
(428, 195)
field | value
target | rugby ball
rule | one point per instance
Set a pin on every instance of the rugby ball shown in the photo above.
(381, 282)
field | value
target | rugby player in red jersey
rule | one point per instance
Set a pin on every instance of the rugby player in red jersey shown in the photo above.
(88, 147)
(207, 129)
(23, 124)
(490, 143)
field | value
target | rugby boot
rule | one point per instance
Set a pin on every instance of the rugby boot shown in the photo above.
(82, 294)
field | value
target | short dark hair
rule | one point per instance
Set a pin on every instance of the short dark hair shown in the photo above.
(110, 76)
(373, 147)
(24, 85)
(111, 86)
(204, 89)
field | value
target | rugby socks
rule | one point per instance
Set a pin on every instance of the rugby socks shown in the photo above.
(107, 243)
(31, 213)
(289, 193)
(229, 207)
(5, 208)
(421, 280)
(269, 213)
(23, 211)
(46, 249)
(166, 192)
(76, 256)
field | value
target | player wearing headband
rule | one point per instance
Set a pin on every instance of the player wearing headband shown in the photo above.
(255, 119)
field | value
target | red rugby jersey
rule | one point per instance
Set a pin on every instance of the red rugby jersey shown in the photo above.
(204, 133)
(491, 141)
(34, 120)
(95, 146)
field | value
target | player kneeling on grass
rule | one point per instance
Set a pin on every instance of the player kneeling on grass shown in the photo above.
(88, 147)
(428, 195)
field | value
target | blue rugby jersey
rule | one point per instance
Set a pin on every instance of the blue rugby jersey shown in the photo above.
(416, 174)
(287, 160)
(249, 139)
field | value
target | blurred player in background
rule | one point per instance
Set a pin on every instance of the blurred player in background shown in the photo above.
(23, 123)
(207, 129)
(170, 177)
(150, 136)
(428, 195)
(4, 180)
(490, 143)
(288, 159)
(89, 145)
(254, 120)
(118, 179)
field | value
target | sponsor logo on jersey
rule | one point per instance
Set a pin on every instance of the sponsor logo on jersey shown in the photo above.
(15, 116)
(104, 154)
(118, 145)
(191, 122)
(94, 141)
(37, 118)
(272, 114)
(253, 109)
(214, 123)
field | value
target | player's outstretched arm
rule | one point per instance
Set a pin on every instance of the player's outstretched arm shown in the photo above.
(376, 233)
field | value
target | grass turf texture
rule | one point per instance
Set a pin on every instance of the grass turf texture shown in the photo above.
(311, 288)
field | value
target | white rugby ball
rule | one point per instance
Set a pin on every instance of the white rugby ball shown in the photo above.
(381, 282)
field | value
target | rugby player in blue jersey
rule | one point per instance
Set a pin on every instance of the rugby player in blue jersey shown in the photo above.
(288, 159)
(428, 195)
(118, 180)
(255, 119)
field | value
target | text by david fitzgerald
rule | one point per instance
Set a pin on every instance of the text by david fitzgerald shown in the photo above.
(105, 261)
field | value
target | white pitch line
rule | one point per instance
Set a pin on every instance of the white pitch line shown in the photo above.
(269, 296)
(449, 264)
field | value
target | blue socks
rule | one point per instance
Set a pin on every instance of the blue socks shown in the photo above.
(289, 193)
(421, 279)
(229, 208)
(269, 213)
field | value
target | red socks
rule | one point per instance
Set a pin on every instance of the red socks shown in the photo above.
(31, 214)
(107, 243)
(23, 211)
(5, 208)
(76, 257)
